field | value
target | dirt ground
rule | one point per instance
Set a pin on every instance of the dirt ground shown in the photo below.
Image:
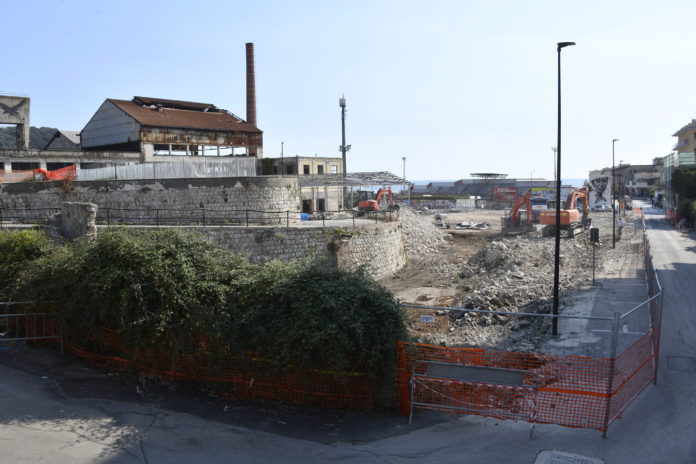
(482, 269)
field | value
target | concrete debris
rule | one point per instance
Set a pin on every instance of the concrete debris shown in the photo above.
(472, 226)
(421, 237)
(513, 275)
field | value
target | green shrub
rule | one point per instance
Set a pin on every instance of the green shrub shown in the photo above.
(167, 288)
(18, 251)
(687, 209)
(142, 284)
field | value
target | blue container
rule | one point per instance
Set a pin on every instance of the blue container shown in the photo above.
(304, 217)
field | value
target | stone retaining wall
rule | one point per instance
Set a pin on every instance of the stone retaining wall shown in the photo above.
(170, 197)
(378, 247)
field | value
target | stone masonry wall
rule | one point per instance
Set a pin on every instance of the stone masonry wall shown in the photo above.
(378, 247)
(172, 198)
(77, 220)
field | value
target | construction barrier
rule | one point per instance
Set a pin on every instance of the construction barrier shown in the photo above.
(231, 376)
(66, 173)
(572, 391)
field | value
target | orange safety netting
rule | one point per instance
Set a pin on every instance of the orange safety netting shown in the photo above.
(566, 390)
(65, 173)
(232, 376)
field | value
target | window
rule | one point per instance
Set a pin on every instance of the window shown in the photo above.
(320, 169)
(288, 169)
(334, 169)
(306, 168)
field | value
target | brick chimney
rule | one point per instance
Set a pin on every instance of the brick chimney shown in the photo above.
(251, 85)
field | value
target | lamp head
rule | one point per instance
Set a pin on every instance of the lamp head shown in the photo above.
(614, 140)
(564, 45)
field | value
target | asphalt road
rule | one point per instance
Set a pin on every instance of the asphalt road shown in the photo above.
(40, 423)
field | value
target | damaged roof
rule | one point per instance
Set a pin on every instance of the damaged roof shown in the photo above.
(158, 112)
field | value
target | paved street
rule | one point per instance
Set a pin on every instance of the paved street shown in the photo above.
(40, 423)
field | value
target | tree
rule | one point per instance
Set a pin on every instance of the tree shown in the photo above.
(684, 182)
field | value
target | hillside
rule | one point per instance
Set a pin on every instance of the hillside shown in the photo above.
(38, 137)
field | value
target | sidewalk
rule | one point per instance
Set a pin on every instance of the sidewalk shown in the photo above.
(620, 286)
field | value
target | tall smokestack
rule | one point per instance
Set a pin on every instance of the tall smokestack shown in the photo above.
(251, 84)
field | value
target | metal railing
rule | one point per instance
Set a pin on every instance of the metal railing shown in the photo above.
(613, 380)
(22, 321)
(205, 217)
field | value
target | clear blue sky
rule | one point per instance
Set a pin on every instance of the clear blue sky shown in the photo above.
(456, 86)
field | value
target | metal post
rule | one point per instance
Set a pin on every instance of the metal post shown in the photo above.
(557, 256)
(342, 104)
(157, 217)
(108, 217)
(613, 196)
(287, 218)
(615, 324)
(203, 212)
(246, 212)
(594, 249)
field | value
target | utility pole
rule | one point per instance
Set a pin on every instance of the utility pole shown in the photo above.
(557, 254)
(554, 149)
(282, 159)
(343, 148)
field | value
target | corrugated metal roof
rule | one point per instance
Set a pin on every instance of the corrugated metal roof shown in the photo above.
(176, 104)
(163, 116)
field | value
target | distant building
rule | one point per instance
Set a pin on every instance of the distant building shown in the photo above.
(321, 179)
(683, 155)
(162, 129)
(64, 140)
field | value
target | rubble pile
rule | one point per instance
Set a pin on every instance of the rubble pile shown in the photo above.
(514, 275)
(509, 273)
(420, 235)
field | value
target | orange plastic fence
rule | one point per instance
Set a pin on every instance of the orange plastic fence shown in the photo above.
(572, 391)
(635, 369)
(234, 377)
(65, 173)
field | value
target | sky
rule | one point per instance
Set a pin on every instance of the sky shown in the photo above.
(456, 87)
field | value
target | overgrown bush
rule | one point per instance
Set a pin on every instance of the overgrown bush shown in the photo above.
(313, 314)
(18, 251)
(687, 209)
(141, 284)
(167, 289)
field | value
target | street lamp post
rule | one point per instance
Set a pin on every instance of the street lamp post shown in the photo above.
(406, 185)
(613, 195)
(531, 181)
(557, 258)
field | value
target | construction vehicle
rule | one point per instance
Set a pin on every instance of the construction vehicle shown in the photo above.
(572, 221)
(383, 201)
(519, 222)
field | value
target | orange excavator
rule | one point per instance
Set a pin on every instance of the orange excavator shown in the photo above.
(571, 219)
(519, 222)
(377, 204)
